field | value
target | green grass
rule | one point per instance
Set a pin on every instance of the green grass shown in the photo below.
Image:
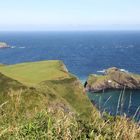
(1, 65)
(51, 77)
(20, 120)
(97, 78)
(41, 100)
(36, 72)
(7, 83)
(72, 92)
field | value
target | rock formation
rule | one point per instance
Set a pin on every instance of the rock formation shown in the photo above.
(3, 45)
(113, 78)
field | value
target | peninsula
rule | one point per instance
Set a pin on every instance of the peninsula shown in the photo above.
(3, 45)
(113, 78)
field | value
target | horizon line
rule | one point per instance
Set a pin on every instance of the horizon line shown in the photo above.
(70, 30)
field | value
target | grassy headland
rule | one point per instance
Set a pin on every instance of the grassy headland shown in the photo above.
(42, 100)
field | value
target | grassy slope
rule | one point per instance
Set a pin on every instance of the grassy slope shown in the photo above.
(46, 85)
(72, 91)
(1, 65)
(6, 83)
(51, 76)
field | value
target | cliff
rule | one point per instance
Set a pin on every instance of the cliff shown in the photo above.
(42, 100)
(113, 78)
(50, 79)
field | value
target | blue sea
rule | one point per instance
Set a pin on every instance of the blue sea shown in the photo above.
(83, 53)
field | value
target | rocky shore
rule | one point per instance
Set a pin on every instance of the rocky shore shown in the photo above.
(3, 45)
(113, 78)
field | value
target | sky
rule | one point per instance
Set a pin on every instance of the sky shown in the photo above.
(69, 15)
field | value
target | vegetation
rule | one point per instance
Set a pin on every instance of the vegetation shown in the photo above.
(34, 73)
(51, 77)
(1, 65)
(113, 78)
(41, 100)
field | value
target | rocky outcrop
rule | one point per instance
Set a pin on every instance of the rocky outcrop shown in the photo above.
(3, 45)
(113, 78)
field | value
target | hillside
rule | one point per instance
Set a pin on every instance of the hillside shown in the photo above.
(53, 76)
(42, 100)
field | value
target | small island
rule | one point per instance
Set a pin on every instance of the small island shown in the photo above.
(113, 78)
(4, 45)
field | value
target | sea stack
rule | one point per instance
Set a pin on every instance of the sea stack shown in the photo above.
(113, 78)
(3, 45)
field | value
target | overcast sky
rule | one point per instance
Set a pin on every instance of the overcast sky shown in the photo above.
(69, 14)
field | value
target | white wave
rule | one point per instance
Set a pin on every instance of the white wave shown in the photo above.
(101, 71)
(123, 70)
(12, 47)
(118, 46)
(104, 70)
(130, 46)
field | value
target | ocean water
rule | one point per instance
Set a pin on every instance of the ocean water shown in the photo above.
(83, 53)
(117, 102)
